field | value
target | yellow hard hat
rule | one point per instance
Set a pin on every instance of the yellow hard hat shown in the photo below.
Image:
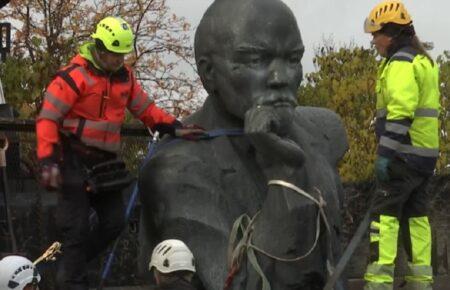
(386, 12)
(115, 33)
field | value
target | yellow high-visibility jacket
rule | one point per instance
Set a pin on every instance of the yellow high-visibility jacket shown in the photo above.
(408, 108)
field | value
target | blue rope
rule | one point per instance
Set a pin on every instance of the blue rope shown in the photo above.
(132, 201)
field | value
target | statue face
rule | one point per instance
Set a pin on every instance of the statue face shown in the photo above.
(261, 65)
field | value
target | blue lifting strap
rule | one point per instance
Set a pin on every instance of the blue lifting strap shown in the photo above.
(224, 132)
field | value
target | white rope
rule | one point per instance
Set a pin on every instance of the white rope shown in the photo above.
(244, 224)
(247, 230)
(321, 203)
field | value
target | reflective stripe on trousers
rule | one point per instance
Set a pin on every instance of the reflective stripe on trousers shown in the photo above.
(380, 274)
(379, 277)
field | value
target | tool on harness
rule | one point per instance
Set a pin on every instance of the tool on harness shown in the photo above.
(104, 171)
(108, 176)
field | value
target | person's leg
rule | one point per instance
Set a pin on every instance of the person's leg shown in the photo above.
(111, 220)
(383, 250)
(416, 232)
(72, 221)
(387, 210)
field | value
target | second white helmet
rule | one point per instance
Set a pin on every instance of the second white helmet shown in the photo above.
(16, 272)
(172, 255)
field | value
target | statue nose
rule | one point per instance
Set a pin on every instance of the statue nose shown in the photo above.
(277, 74)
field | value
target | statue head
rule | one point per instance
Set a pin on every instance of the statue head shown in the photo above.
(248, 53)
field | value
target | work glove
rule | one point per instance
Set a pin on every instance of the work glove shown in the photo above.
(177, 129)
(191, 132)
(381, 168)
(50, 174)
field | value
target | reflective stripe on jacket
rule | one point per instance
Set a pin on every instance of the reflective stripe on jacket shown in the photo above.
(408, 109)
(91, 104)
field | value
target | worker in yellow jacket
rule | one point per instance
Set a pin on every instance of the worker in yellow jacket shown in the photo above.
(408, 147)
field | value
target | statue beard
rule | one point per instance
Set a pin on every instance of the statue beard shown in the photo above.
(285, 116)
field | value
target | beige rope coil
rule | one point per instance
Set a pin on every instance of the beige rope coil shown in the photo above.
(245, 224)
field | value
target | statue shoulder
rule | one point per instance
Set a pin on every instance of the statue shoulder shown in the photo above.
(174, 154)
(178, 162)
(327, 123)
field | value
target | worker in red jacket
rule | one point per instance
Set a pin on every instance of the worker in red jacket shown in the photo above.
(78, 138)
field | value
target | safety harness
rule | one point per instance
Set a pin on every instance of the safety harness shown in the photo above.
(106, 175)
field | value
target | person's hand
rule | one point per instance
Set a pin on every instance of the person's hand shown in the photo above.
(50, 175)
(190, 132)
(381, 168)
(265, 126)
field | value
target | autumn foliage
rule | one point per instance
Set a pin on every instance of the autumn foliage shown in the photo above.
(344, 81)
(46, 35)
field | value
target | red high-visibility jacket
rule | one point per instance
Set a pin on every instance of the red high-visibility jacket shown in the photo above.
(91, 104)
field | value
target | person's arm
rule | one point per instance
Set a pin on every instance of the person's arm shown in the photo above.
(58, 100)
(145, 109)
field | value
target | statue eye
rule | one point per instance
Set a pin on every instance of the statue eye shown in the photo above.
(255, 59)
(251, 56)
(294, 58)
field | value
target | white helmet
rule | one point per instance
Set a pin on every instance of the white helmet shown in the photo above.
(16, 272)
(172, 255)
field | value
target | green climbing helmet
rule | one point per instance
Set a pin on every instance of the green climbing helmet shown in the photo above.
(115, 33)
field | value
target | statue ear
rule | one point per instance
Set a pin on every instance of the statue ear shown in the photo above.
(206, 73)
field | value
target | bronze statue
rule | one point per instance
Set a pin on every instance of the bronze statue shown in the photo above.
(248, 55)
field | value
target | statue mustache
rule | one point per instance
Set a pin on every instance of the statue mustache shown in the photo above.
(278, 100)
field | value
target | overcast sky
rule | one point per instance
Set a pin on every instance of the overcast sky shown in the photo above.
(342, 20)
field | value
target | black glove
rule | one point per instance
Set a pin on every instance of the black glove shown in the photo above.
(177, 129)
(49, 174)
(164, 128)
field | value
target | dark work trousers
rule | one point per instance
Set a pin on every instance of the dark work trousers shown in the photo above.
(404, 196)
(81, 241)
